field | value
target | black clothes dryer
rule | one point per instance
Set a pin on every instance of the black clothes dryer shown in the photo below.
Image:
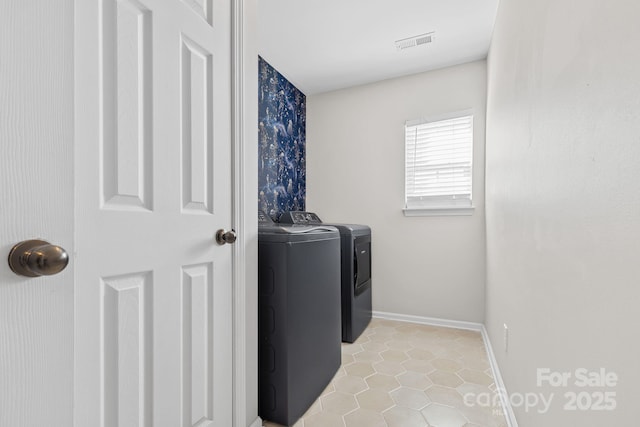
(299, 316)
(355, 244)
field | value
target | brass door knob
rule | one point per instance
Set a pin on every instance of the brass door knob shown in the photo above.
(223, 237)
(33, 258)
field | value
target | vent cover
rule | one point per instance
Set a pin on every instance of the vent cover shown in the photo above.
(415, 41)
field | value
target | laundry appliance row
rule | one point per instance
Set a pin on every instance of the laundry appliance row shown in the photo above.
(314, 285)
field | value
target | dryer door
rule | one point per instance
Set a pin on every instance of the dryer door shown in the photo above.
(362, 264)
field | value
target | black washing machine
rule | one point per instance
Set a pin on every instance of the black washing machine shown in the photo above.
(299, 316)
(355, 244)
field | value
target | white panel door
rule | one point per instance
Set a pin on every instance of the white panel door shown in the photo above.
(36, 201)
(153, 184)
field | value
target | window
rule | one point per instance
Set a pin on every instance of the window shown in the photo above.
(438, 166)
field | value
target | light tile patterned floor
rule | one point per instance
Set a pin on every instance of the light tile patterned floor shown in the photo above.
(400, 374)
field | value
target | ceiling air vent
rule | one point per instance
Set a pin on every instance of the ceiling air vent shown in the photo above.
(415, 41)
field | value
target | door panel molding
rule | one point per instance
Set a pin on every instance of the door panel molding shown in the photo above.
(203, 8)
(197, 126)
(197, 345)
(127, 349)
(126, 105)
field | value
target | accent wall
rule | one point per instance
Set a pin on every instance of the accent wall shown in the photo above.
(281, 143)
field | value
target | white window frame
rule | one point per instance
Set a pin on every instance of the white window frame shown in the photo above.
(447, 205)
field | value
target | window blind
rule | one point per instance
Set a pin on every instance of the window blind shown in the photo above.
(439, 162)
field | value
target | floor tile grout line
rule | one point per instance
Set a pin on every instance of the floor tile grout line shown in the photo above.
(454, 340)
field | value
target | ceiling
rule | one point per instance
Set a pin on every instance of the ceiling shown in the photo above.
(332, 44)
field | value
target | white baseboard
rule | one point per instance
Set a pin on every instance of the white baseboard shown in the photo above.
(256, 423)
(497, 377)
(433, 321)
(473, 326)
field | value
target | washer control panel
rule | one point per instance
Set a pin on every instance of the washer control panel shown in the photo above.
(299, 217)
(264, 219)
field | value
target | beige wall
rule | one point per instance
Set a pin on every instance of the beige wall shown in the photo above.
(425, 266)
(563, 199)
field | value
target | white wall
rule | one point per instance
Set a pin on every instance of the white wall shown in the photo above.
(425, 266)
(563, 199)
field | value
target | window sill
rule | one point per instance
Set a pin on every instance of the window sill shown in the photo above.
(440, 211)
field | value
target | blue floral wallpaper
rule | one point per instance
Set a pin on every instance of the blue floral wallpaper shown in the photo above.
(281, 139)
